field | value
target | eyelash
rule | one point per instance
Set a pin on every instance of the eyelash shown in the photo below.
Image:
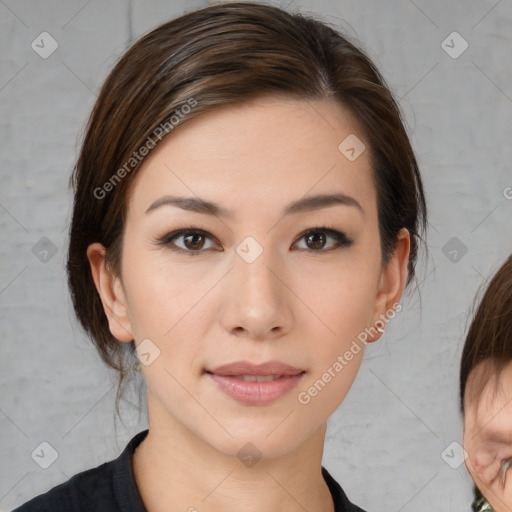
(341, 239)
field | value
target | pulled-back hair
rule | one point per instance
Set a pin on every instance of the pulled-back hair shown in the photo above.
(226, 53)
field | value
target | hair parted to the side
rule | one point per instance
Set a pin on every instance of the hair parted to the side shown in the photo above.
(223, 54)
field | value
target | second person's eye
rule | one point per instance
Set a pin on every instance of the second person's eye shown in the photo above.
(505, 465)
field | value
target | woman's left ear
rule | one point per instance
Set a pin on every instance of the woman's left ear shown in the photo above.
(391, 284)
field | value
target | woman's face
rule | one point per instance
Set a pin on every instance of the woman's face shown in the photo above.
(488, 432)
(247, 283)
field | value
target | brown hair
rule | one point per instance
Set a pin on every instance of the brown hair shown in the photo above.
(225, 54)
(489, 336)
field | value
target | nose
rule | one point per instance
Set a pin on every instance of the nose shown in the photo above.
(256, 299)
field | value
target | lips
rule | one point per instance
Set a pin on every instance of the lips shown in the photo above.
(271, 368)
(255, 384)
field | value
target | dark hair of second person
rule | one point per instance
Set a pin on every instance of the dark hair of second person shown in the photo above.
(485, 377)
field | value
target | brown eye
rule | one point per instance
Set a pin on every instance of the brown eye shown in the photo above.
(317, 239)
(194, 241)
(191, 241)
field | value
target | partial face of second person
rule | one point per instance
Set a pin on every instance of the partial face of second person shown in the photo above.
(488, 432)
(212, 298)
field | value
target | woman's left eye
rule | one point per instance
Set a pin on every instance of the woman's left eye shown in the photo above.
(317, 238)
(194, 240)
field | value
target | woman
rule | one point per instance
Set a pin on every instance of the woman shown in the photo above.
(248, 211)
(486, 394)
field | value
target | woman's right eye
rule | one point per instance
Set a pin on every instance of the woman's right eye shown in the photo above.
(192, 240)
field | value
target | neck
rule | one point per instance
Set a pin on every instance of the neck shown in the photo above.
(176, 471)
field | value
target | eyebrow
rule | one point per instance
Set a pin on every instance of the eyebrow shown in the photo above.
(309, 203)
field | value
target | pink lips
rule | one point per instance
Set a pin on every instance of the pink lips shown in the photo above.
(279, 379)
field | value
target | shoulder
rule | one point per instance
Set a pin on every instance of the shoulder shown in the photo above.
(108, 487)
(85, 491)
(355, 508)
(340, 499)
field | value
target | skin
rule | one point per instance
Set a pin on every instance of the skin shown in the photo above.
(298, 302)
(488, 432)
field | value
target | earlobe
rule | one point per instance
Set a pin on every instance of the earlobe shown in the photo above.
(391, 284)
(111, 293)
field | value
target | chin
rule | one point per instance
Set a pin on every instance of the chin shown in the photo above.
(269, 439)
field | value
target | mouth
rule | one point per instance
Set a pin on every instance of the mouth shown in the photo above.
(255, 378)
(252, 384)
(247, 369)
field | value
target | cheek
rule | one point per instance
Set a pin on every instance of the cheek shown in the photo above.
(329, 297)
(160, 294)
(331, 379)
(344, 299)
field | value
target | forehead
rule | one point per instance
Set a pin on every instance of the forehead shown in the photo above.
(262, 153)
(488, 391)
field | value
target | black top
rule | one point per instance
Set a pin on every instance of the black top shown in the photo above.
(112, 487)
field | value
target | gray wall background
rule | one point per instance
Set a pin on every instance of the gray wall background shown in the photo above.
(390, 443)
